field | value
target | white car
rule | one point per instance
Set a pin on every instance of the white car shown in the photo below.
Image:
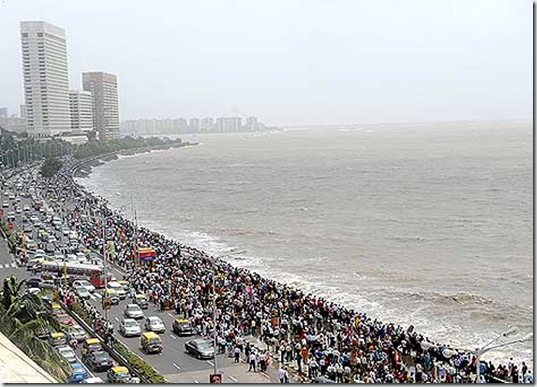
(86, 284)
(26, 208)
(133, 311)
(77, 332)
(82, 292)
(130, 327)
(68, 354)
(95, 379)
(155, 324)
(65, 231)
(118, 288)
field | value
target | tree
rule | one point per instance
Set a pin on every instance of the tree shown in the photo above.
(23, 316)
(50, 167)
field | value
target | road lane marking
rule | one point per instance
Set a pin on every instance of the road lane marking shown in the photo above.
(176, 366)
(233, 378)
(116, 319)
(210, 362)
(173, 337)
(169, 314)
(98, 295)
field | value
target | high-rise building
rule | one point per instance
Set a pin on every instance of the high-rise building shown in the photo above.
(207, 124)
(46, 84)
(3, 112)
(104, 101)
(194, 125)
(252, 124)
(81, 111)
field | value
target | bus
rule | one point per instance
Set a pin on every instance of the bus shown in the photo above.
(62, 268)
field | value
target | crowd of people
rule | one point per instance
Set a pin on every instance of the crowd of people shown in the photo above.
(303, 333)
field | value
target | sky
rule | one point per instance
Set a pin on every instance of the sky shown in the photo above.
(293, 62)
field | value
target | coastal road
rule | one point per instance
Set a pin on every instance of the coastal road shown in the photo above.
(174, 363)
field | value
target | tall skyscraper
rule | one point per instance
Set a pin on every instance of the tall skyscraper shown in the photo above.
(104, 101)
(46, 83)
(81, 111)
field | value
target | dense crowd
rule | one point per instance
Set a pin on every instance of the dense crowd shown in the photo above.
(305, 332)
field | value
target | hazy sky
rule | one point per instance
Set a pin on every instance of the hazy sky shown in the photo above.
(291, 61)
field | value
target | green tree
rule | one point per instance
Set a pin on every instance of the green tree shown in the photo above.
(51, 166)
(23, 316)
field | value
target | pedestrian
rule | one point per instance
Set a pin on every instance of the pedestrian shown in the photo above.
(237, 353)
(252, 362)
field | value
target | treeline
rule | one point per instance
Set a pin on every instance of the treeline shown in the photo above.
(96, 148)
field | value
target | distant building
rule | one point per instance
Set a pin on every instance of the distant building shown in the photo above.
(3, 112)
(105, 106)
(220, 124)
(45, 76)
(252, 124)
(207, 124)
(194, 125)
(81, 111)
(23, 111)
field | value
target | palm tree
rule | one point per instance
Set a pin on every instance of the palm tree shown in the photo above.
(22, 318)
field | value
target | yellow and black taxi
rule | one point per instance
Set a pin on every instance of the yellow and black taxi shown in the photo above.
(91, 345)
(57, 339)
(118, 374)
(151, 342)
(182, 327)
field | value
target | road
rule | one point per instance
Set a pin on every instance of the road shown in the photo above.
(174, 363)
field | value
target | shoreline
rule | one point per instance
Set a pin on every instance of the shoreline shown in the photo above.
(235, 262)
(220, 260)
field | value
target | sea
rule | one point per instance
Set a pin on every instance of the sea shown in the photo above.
(427, 224)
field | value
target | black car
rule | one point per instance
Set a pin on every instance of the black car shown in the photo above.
(98, 361)
(182, 327)
(34, 282)
(200, 348)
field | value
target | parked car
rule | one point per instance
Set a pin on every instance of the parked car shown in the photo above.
(68, 353)
(182, 327)
(200, 348)
(130, 327)
(154, 324)
(99, 361)
(133, 311)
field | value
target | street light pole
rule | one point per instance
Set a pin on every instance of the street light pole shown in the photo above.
(485, 348)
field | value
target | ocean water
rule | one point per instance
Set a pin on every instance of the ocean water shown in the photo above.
(429, 225)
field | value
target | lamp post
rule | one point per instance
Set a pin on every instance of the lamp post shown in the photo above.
(488, 346)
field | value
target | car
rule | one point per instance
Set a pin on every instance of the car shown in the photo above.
(28, 228)
(34, 291)
(68, 353)
(5, 204)
(78, 374)
(18, 210)
(65, 231)
(11, 215)
(112, 295)
(95, 379)
(200, 348)
(77, 332)
(52, 239)
(130, 327)
(118, 288)
(151, 342)
(182, 327)
(34, 219)
(99, 361)
(141, 301)
(154, 324)
(86, 284)
(118, 374)
(65, 319)
(82, 292)
(91, 345)
(26, 208)
(133, 311)
(34, 282)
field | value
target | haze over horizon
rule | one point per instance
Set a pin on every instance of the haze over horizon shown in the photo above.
(293, 62)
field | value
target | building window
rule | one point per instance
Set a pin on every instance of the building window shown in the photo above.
(40, 34)
(24, 35)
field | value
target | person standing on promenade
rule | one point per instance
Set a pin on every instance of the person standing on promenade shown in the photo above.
(251, 361)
